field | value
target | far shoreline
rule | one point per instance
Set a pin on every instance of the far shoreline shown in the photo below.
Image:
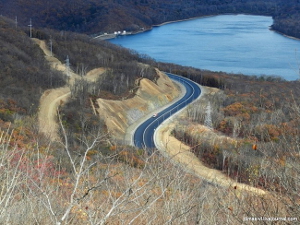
(111, 36)
(191, 18)
(267, 26)
(283, 34)
(199, 17)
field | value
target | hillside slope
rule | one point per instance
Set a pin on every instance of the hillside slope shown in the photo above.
(24, 73)
(98, 16)
(53, 98)
(119, 115)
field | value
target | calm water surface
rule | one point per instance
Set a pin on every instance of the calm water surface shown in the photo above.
(230, 43)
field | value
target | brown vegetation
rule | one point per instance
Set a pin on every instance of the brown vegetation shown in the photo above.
(98, 16)
(263, 127)
(46, 183)
(24, 73)
(85, 178)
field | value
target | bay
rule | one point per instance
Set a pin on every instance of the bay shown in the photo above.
(230, 43)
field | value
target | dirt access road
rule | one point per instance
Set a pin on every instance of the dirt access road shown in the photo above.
(168, 145)
(52, 98)
(179, 153)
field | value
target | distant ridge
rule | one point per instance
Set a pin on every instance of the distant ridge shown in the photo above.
(99, 16)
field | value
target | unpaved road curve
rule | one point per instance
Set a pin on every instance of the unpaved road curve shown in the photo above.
(179, 153)
(52, 98)
(49, 103)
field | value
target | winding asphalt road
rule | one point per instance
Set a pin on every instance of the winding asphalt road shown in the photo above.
(143, 136)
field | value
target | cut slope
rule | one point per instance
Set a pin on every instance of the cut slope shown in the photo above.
(119, 115)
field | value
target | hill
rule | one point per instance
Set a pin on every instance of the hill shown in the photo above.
(98, 16)
(86, 177)
(24, 73)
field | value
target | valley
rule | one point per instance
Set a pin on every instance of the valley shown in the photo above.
(69, 105)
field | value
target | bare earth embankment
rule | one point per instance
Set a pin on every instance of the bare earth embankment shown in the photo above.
(52, 98)
(121, 117)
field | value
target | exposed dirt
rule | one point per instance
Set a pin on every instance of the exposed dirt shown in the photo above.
(49, 102)
(54, 62)
(52, 98)
(181, 153)
(119, 115)
(92, 75)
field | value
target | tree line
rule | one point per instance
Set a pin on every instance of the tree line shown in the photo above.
(93, 17)
(24, 72)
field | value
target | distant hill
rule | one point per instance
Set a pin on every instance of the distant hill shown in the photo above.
(96, 16)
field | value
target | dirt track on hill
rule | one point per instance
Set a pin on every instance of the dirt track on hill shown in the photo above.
(52, 98)
(181, 154)
(170, 146)
(49, 102)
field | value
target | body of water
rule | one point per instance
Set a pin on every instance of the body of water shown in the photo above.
(230, 43)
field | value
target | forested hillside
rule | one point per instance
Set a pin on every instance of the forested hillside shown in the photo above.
(287, 19)
(24, 73)
(98, 16)
(87, 178)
